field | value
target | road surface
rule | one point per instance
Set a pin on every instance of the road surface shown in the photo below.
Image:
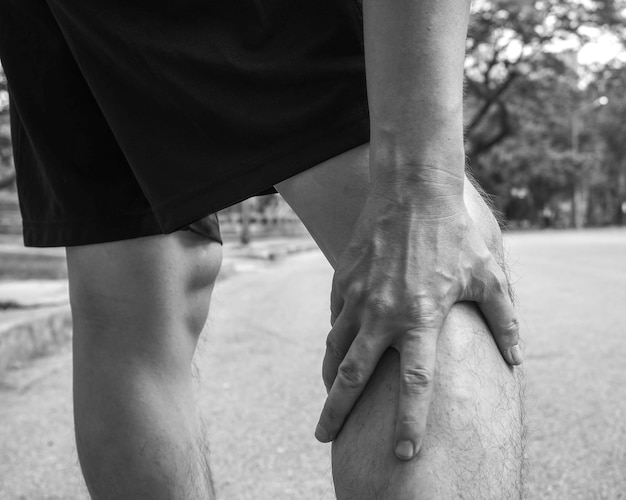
(260, 389)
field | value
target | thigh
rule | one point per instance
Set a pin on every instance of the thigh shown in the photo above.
(328, 198)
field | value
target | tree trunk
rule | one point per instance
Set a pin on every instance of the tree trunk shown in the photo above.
(244, 237)
(580, 202)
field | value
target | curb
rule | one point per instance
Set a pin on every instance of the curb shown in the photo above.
(32, 332)
(279, 251)
(24, 337)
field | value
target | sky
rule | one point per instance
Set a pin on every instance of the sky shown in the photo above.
(605, 49)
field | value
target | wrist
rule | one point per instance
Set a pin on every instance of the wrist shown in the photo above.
(435, 139)
(424, 193)
(439, 165)
(426, 178)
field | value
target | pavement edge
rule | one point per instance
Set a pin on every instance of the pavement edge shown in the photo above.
(29, 333)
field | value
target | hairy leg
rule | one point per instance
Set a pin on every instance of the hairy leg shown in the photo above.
(138, 308)
(475, 441)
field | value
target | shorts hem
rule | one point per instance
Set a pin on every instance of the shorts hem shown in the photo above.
(87, 232)
(187, 208)
(190, 206)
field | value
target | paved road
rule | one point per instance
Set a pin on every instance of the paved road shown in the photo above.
(262, 393)
(572, 296)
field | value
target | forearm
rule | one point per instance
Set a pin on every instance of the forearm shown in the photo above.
(414, 53)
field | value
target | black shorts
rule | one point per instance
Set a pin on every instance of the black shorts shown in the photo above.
(139, 117)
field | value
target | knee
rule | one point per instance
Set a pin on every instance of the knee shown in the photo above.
(143, 292)
(197, 282)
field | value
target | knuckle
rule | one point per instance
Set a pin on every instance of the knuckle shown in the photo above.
(339, 291)
(336, 298)
(333, 349)
(427, 322)
(477, 290)
(333, 318)
(511, 329)
(425, 312)
(481, 263)
(484, 259)
(339, 280)
(328, 380)
(380, 305)
(350, 376)
(354, 291)
(417, 380)
(410, 422)
(501, 284)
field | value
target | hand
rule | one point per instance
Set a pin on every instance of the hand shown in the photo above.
(406, 264)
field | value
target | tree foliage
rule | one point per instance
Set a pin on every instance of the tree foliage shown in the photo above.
(509, 39)
(525, 99)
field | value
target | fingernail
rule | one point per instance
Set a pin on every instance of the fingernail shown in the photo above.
(516, 355)
(321, 434)
(405, 450)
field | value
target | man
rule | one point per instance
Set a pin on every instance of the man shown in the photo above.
(134, 120)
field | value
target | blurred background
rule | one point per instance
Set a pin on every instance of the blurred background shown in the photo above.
(546, 108)
(545, 137)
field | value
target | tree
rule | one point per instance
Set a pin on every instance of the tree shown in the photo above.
(524, 95)
(512, 38)
(609, 126)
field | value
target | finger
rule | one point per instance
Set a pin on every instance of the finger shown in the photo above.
(417, 369)
(352, 376)
(337, 344)
(501, 317)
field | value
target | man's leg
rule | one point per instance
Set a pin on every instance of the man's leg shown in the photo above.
(475, 441)
(138, 308)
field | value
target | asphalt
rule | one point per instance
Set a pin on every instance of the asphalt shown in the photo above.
(259, 388)
(35, 317)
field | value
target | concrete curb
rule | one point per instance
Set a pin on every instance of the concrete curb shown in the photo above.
(40, 328)
(275, 253)
(29, 333)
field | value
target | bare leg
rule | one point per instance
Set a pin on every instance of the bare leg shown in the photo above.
(474, 445)
(138, 308)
